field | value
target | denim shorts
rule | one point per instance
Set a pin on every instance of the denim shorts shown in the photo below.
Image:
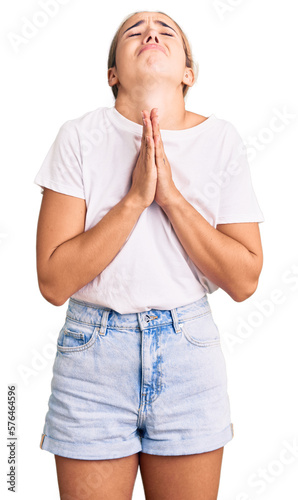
(153, 381)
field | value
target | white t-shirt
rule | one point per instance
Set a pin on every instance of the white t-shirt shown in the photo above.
(93, 158)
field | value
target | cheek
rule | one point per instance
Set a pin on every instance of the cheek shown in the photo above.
(182, 57)
(123, 58)
(179, 55)
(120, 64)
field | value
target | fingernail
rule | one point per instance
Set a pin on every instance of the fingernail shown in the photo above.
(143, 116)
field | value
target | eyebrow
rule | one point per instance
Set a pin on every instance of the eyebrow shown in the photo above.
(156, 22)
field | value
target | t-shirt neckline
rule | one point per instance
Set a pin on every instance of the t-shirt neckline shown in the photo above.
(124, 123)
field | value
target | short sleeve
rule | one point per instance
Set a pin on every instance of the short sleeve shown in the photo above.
(238, 202)
(61, 169)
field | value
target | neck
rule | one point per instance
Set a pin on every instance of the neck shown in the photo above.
(171, 106)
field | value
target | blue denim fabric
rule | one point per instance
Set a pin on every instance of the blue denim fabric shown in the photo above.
(153, 381)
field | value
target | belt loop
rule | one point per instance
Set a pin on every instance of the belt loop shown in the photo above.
(175, 320)
(104, 320)
(139, 315)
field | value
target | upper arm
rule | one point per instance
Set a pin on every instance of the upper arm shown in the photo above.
(61, 218)
(248, 234)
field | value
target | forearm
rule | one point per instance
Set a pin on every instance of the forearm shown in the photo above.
(222, 259)
(79, 260)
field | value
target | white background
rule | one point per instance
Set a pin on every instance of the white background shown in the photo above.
(247, 75)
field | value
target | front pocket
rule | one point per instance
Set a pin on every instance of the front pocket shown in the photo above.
(201, 330)
(76, 336)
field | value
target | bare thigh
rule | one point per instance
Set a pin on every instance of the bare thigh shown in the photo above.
(195, 477)
(96, 479)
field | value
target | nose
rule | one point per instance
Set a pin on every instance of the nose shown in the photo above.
(151, 37)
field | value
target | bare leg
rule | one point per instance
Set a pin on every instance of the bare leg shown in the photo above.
(195, 477)
(96, 479)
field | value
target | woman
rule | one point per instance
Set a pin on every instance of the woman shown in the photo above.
(146, 208)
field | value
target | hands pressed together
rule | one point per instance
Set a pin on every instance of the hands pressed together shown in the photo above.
(152, 176)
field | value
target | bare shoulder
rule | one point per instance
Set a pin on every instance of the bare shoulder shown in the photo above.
(193, 119)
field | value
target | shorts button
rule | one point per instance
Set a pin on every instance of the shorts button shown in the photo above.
(147, 318)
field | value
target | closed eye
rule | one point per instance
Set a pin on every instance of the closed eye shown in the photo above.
(137, 34)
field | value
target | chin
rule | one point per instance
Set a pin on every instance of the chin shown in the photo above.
(156, 67)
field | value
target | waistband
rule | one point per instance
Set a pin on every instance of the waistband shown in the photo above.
(91, 314)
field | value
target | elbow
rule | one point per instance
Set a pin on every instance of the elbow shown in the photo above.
(246, 286)
(242, 293)
(51, 295)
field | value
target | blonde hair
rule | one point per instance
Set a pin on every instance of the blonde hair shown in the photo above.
(189, 62)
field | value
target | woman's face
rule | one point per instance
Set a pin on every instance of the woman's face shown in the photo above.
(149, 52)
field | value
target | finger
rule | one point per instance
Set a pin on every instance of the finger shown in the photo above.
(149, 148)
(159, 148)
(156, 133)
(159, 151)
(147, 125)
(147, 136)
(154, 112)
(144, 127)
(155, 122)
(157, 136)
(158, 143)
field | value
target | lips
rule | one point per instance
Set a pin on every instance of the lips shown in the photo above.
(152, 46)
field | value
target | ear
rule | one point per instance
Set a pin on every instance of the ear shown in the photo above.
(188, 77)
(112, 76)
